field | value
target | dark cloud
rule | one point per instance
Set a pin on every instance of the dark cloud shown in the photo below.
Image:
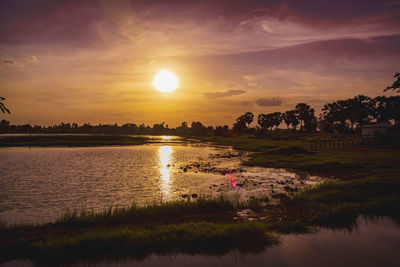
(224, 94)
(264, 102)
(73, 22)
(10, 62)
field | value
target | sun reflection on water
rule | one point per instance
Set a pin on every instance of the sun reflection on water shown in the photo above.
(165, 160)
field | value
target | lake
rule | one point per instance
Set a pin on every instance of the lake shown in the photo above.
(39, 184)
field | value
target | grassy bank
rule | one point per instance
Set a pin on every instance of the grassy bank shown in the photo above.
(72, 140)
(203, 225)
(366, 177)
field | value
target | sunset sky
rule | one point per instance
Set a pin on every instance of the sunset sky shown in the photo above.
(94, 61)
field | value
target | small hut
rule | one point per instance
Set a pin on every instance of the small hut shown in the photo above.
(370, 130)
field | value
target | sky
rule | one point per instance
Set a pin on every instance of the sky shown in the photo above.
(94, 61)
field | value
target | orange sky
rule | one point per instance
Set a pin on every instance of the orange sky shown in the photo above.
(94, 61)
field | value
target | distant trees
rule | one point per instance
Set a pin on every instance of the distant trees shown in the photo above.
(357, 111)
(197, 128)
(395, 87)
(3, 107)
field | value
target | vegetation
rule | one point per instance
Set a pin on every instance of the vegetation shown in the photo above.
(3, 107)
(342, 116)
(72, 140)
(396, 84)
(203, 225)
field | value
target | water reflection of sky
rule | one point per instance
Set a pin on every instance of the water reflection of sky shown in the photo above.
(165, 161)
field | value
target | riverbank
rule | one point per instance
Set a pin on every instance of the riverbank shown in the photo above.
(365, 178)
(72, 140)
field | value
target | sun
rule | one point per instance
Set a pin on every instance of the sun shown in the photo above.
(165, 81)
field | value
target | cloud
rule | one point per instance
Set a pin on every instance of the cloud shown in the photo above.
(224, 94)
(264, 102)
(33, 59)
(12, 62)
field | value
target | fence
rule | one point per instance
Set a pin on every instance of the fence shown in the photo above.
(333, 143)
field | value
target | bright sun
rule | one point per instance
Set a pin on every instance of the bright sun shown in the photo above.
(165, 81)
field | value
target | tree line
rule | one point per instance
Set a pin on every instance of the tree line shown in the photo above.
(347, 115)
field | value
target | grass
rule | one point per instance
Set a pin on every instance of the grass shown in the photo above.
(203, 225)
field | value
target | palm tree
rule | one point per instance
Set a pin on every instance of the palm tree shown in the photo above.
(3, 107)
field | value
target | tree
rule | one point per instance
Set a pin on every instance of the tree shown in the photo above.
(276, 118)
(3, 107)
(359, 110)
(242, 122)
(336, 112)
(266, 121)
(396, 84)
(306, 117)
(387, 108)
(290, 118)
(198, 128)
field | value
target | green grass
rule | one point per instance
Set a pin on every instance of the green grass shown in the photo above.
(203, 225)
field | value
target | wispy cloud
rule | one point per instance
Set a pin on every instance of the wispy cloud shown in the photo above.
(224, 93)
(264, 102)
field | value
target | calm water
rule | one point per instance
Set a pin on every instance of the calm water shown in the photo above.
(38, 184)
(374, 243)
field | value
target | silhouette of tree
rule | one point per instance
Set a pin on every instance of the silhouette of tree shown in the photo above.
(336, 112)
(306, 117)
(276, 118)
(266, 121)
(290, 118)
(360, 110)
(198, 128)
(3, 107)
(395, 87)
(242, 122)
(387, 108)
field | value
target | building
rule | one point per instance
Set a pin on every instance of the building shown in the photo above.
(370, 130)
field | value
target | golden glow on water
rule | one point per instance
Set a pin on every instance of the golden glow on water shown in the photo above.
(166, 137)
(165, 160)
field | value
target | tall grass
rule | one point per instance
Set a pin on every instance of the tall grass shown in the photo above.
(220, 206)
